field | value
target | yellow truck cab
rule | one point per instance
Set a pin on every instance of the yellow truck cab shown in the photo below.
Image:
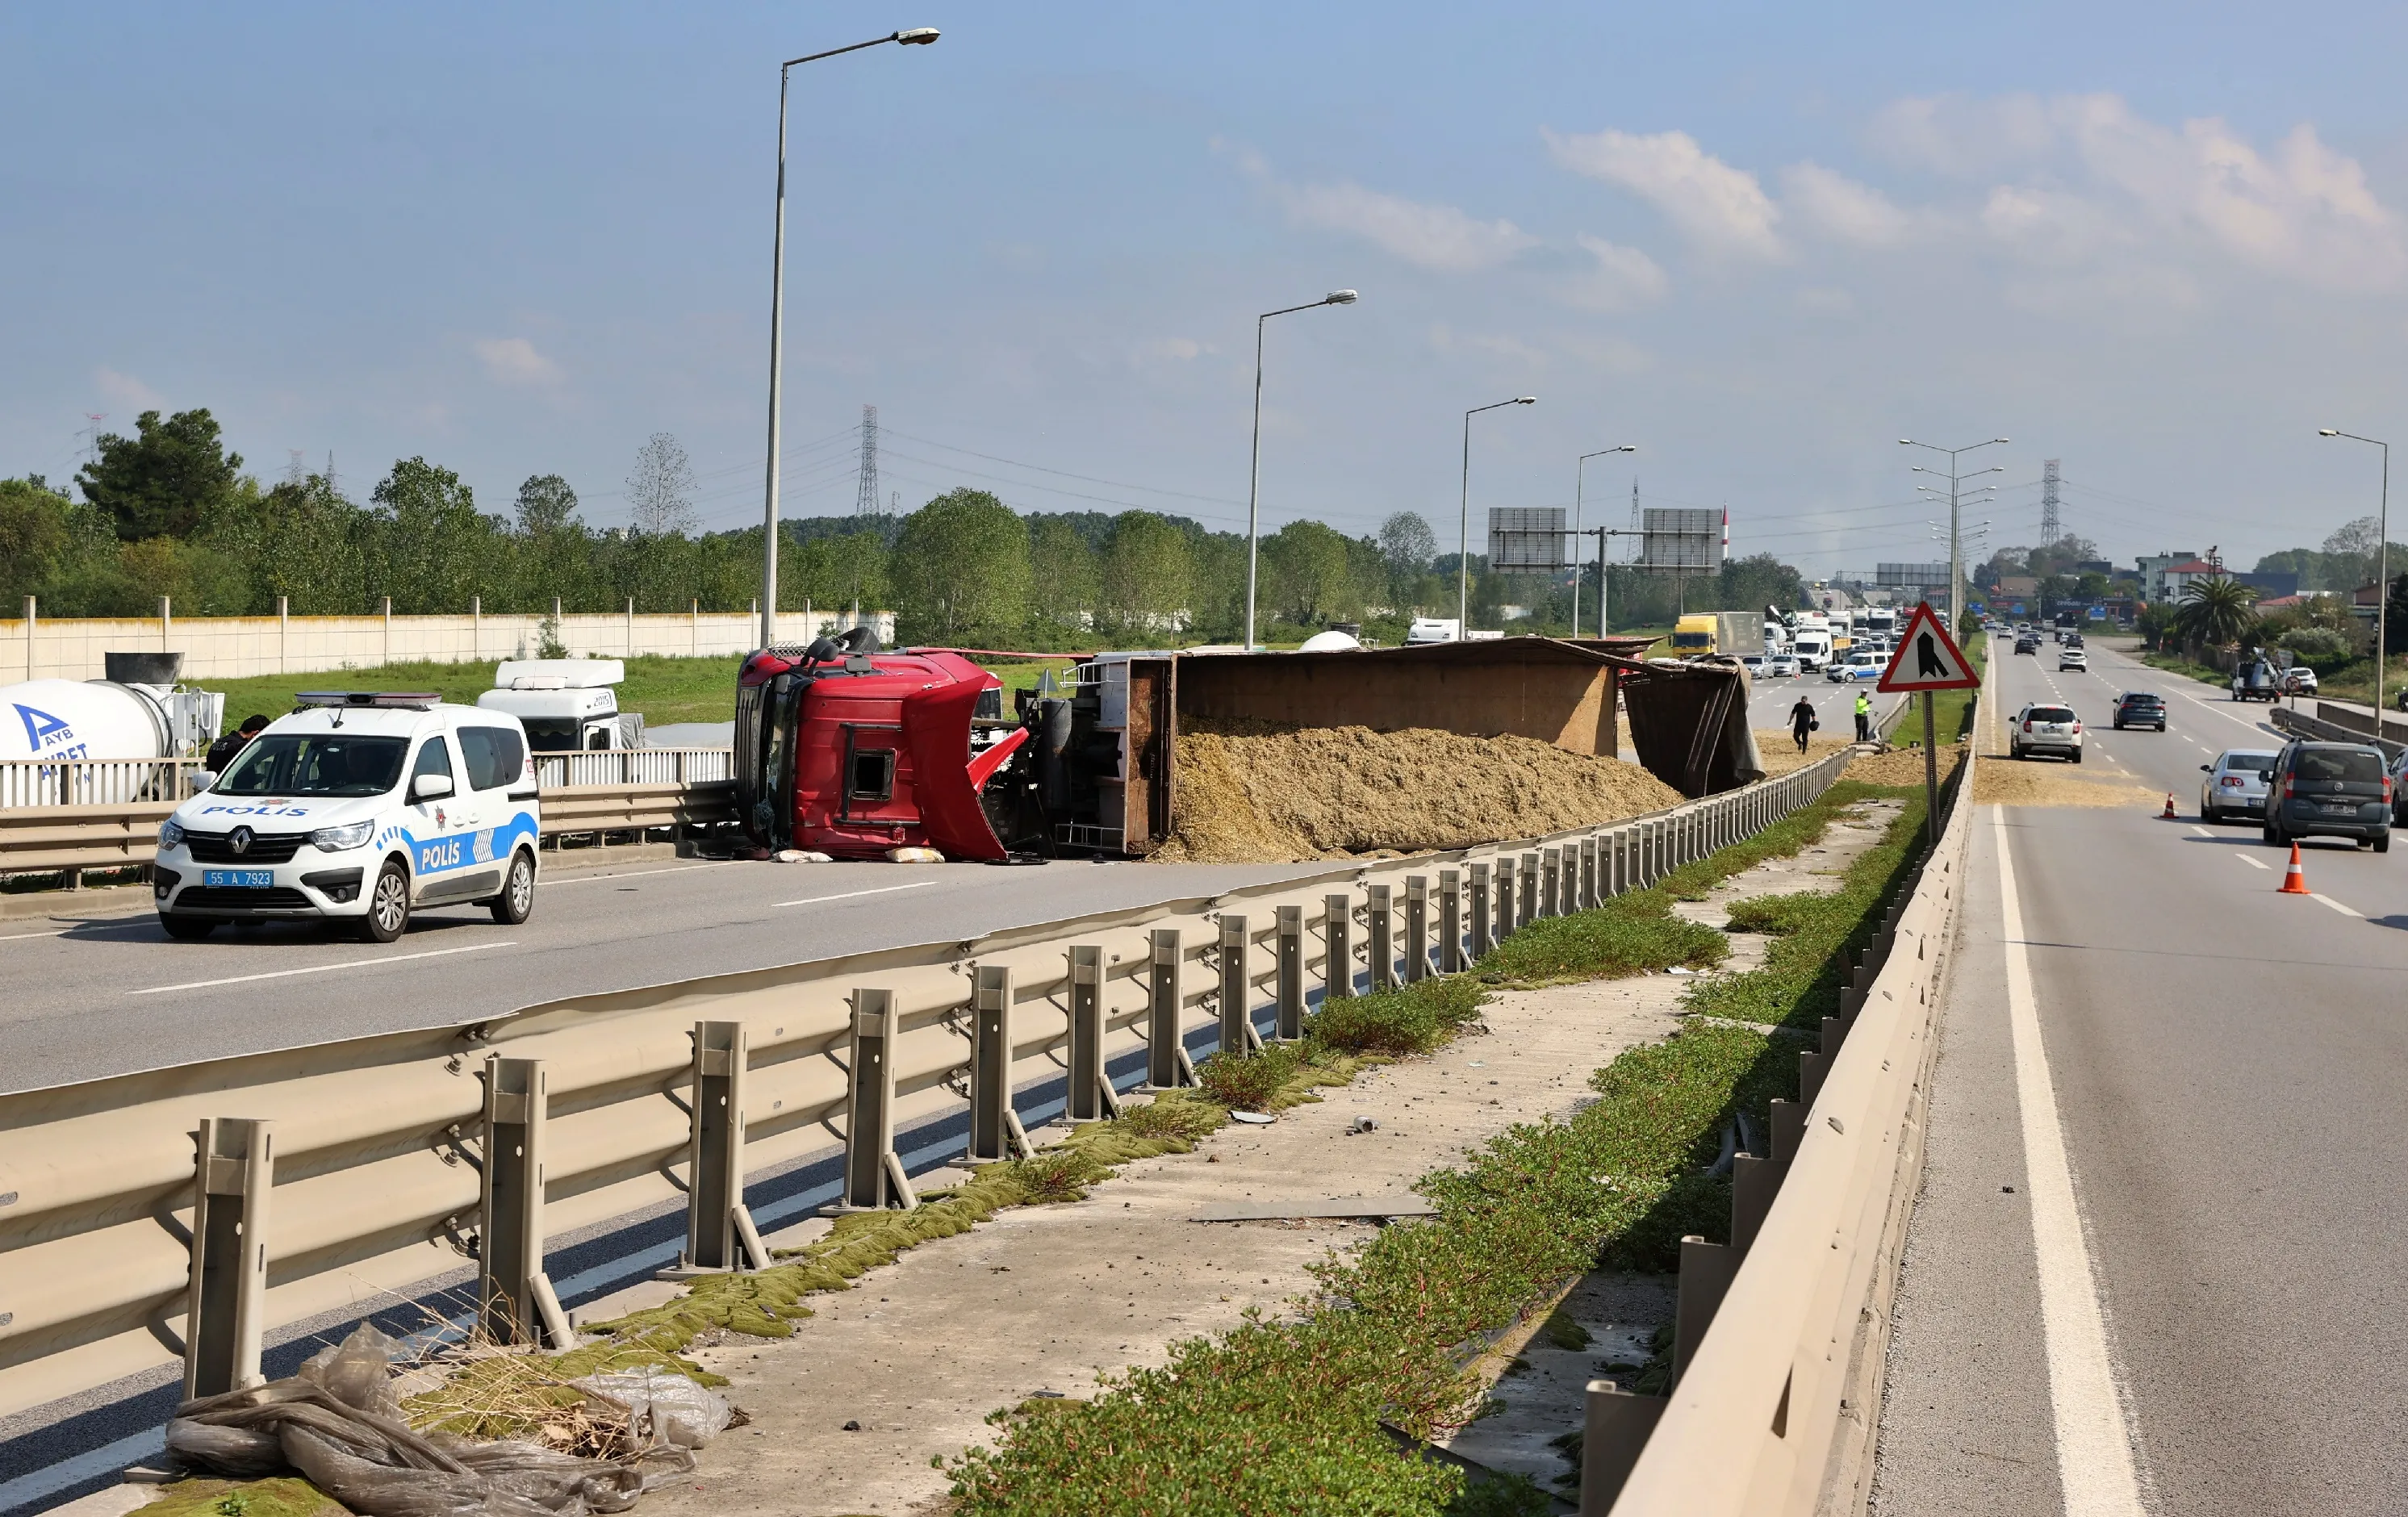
(1694, 634)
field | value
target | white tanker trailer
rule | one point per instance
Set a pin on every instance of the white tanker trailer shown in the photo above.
(137, 712)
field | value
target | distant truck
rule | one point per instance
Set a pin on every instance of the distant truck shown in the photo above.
(566, 704)
(1726, 633)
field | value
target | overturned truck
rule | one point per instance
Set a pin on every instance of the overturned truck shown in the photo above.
(844, 748)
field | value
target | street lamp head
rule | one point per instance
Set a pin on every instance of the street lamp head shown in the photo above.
(1997, 439)
(1906, 442)
(1339, 297)
(1526, 400)
(917, 36)
(2328, 432)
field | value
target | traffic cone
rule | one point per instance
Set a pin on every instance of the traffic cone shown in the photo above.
(2295, 883)
(2168, 814)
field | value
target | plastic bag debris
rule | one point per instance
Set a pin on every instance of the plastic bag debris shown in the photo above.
(337, 1424)
(667, 1409)
(799, 855)
(914, 855)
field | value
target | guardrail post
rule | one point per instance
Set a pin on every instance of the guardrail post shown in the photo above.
(1507, 897)
(1755, 1185)
(1811, 1067)
(233, 1171)
(873, 1171)
(1588, 897)
(1788, 1124)
(718, 1232)
(1529, 877)
(1091, 1096)
(1616, 1426)
(1417, 962)
(1380, 942)
(1483, 932)
(1290, 1023)
(1706, 1271)
(1237, 1034)
(1450, 922)
(1338, 946)
(514, 1298)
(995, 1126)
(1567, 883)
(1166, 1056)
(1550, 883)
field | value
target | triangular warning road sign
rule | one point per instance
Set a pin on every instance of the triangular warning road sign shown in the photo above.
(1927, 658)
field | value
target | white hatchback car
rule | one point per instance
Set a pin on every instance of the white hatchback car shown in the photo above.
(358, 806)
(2046, 729)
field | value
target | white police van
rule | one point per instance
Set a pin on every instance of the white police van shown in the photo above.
(359, 806)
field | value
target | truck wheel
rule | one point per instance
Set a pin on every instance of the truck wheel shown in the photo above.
(516, 903)
(185, 929)
(388, 915)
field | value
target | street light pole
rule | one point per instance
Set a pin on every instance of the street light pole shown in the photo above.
(2382, 567)
(1956, 549)
(1463, 526)
(915, 36)
(1580, 486)
(1255, 477)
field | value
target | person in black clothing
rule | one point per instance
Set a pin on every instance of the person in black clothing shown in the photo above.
(227, 749)
(1801, 720)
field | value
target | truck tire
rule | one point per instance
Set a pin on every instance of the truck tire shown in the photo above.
(516, 903)
(388, 914)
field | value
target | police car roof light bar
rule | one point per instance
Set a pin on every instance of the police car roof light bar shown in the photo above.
(412, 700)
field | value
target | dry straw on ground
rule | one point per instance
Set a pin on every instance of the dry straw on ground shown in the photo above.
(2004, 781)
(1257, 793)
(1779, 751)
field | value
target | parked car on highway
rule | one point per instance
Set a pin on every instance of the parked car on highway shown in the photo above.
(2256, 682)
(2300, 680)
(2235, 784)
(1781, 667)
(2399, 789)
(1861, 666)
(1753, 663)
(2140, 709)
(2072, 660)
(2046, 729)
(2330, 790)
(2027, 643)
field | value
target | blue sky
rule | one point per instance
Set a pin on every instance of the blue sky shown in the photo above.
(2161, 243)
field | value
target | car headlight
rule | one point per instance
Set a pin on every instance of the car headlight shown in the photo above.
(170, 835)
(336, 840)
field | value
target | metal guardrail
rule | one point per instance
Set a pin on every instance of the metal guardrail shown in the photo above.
(376, 1177)
(634, 766)
(1779, 1352)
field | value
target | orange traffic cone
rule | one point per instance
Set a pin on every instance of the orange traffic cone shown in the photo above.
(2168, 814)
(2294, 883)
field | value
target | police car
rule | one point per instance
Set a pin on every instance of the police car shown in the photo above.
(358, 806)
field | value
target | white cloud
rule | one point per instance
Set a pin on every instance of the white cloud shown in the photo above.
(514, 361)
(1720, 208)
(1433, 236)
(126, 391)
(1622, 277)
(1843, 208)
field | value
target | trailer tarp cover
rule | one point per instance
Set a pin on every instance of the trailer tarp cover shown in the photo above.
(1689, 723)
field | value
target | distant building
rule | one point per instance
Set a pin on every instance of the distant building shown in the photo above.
(2175, 580)
(2280, 586)
(2152, 573)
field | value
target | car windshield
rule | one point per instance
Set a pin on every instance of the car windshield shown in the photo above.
(2360, 765)
(2051, 714)
(552, 734)
(314, 764)
(2260, 765)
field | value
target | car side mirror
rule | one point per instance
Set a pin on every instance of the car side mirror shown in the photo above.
(427, 787)
(2205, 767)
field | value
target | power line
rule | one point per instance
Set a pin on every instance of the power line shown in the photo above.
(1088, 479)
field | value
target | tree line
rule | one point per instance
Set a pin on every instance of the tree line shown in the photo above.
(169, 511)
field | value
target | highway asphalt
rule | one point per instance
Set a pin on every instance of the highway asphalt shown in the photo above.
(2158, 1263)
(115, 993)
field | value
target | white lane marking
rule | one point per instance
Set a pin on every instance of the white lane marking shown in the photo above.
(23, 936)
(2255, 863)
(638, 874)
(325, 968)
(2337, 906)
(2095, 1466)
(2202, 831)
(881, 890)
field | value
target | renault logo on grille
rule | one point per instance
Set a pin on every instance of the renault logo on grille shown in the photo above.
(239, 840)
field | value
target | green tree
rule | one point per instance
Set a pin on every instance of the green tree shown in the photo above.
(436, 551)
(1408, 545)
(36, 534)
(164, 479)
(300, 540)
(1066, 582)
(1306, 575)
(1145, 574)
(2217, 612)
(960, 570)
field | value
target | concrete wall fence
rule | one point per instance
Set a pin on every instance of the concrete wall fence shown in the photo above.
(241, 646)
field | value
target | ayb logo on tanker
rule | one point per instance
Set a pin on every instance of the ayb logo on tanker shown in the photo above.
(45, 732)
(460, 849)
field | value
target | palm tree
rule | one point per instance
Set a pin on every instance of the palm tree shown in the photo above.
(2217, 612)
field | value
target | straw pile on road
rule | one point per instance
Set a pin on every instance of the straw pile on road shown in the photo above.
(1260, 793)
